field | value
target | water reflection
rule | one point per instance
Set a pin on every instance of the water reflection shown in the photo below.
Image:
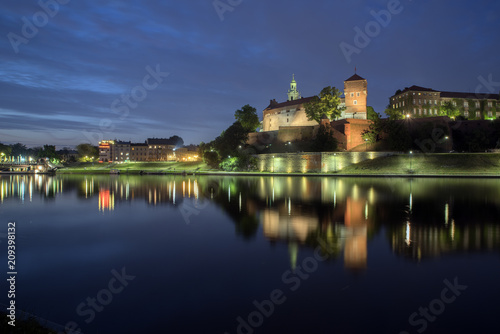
(422, 218)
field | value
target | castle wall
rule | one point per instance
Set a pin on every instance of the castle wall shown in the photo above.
(325, 162)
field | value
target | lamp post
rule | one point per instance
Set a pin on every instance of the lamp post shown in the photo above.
(366, 144)
(411, 154)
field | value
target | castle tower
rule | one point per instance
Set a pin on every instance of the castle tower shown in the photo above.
(355, 91)
(293, 93)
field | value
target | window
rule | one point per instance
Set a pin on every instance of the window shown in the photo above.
(454, 103)
(466, 114)
(414, 101)
(435, 111)
(414, 111)
(403, 103)
(490, 114)
(420, 112)
(478, 104)
(352, 94)
(425, 101)
(419, 102)
(357, 94)
(478, 114)
(466, 104)
(355, 102)
(435, 102)
(498, 114)
(287, 120)
(490, 104)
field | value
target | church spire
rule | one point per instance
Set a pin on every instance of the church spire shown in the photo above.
(293, 93)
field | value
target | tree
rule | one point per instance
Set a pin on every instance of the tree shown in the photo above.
(393, 114)
(87, 151)
(176, 140)
(19, 149)
(230, 140)
(324, 141)
(248, 118)
(327, 103)
(372, 114)
(449, 109)
(6, 150)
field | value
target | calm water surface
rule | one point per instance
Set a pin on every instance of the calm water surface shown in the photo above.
(127, 254)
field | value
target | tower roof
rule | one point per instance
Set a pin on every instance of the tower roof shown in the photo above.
(355, 77)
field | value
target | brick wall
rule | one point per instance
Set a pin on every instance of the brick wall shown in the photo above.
(325, 162)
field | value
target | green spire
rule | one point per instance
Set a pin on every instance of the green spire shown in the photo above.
(293, 93)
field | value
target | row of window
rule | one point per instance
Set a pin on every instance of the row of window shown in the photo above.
(466, 104)
(466, 113)
(414, 93)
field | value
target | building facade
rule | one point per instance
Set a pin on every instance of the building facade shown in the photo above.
(153, 149)
(416, 101)
(292, 112)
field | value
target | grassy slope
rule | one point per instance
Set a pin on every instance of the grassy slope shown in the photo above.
(422, 164)
(430, 164)
(135, 167)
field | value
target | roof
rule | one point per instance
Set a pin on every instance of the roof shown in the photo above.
(355, 77)
(418, 89)
(159, 141)
(139, 144)
(290, 103)
(458, 95)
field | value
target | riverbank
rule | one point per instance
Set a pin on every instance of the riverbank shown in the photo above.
(418, 165)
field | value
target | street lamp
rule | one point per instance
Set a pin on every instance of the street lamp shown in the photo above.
(273, 163)
(411, 154)
(366, 144)
(335, 159)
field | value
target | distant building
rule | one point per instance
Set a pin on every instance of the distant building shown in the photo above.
(121, 151)
(160, 149)
(154, 149)
(292, 112)
(416, 101)
(139, 152)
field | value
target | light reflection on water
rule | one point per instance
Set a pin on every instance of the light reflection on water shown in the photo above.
(357, 220)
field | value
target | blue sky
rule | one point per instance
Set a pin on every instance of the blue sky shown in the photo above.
(68, 81)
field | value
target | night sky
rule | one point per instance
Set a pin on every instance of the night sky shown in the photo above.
(84, 74)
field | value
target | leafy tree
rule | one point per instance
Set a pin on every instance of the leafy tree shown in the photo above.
(372, 114)
(87, 150)
(324, 141)
(327, 103)
(231, 139)
(6, 150)
(19, 149)
(448, 109)
(393, 114)
(248, 118)
(176, 140)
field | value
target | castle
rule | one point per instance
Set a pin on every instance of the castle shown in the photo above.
(292, 112)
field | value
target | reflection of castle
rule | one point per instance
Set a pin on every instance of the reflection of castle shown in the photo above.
(345, 226)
